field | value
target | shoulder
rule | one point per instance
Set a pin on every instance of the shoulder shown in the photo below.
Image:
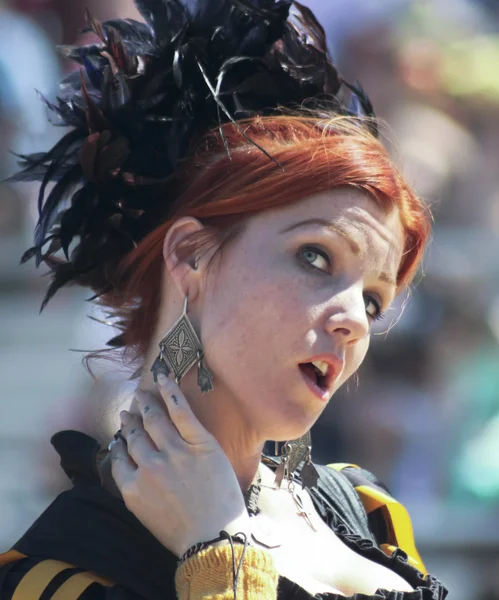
(30, 577)
(388, 519)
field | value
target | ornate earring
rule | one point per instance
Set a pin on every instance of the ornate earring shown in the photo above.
(180, 350)
(293, 452)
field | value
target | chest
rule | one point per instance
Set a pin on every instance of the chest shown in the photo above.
(317, 560)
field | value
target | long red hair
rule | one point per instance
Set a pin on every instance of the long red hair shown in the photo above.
(221, 189)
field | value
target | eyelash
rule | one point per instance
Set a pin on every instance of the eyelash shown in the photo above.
(316, 250)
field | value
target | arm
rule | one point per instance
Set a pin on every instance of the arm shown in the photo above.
(175, 478)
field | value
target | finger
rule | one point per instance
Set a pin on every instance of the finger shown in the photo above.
(122, 467)
(139, 444)
(181, 413)
(156, 420)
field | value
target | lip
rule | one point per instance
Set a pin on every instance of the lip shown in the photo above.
(335, 369)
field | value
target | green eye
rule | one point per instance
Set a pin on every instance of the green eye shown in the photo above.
(313, 254)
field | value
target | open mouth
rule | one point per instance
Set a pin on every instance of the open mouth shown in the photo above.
(313, 373)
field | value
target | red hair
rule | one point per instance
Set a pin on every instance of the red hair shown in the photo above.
(222, 189)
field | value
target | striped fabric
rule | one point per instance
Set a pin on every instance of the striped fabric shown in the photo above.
(380, 506)
(47, 579)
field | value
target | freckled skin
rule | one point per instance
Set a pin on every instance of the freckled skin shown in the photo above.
(265, 312)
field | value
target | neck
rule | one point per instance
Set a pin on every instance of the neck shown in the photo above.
(217, 413)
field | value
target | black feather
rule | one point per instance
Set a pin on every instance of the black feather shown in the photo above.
(63, 149)
(117, 341)
(28, 255)
(94, 72)
(48, 213)
(133, 32)
(361, 106)
(63, 274)
(139, 99)
(75, 219)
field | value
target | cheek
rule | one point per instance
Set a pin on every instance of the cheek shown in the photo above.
(355, 356)
(248, 325)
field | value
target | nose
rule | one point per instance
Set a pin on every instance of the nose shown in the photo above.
(347, 319)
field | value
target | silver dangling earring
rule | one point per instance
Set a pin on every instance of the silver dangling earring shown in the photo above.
(180, 350)
(293, 452)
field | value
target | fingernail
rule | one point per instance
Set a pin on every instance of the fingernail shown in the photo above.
(124, 416)
(111, 444)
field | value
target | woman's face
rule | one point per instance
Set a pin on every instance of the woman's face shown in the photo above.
(288, 291)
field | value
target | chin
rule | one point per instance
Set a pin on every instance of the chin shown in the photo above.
(291, 429)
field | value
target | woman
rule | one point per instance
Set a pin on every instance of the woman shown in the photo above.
(246, 261)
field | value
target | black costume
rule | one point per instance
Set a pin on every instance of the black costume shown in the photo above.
(92, 530)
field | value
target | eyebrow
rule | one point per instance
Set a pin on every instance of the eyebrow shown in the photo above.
(354, 246)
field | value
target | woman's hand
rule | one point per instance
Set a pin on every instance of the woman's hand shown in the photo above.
(173, 475)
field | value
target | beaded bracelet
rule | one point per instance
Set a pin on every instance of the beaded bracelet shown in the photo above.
(239, 537)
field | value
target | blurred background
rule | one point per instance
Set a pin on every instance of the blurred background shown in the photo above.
(424, 415)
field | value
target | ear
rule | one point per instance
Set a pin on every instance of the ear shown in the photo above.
(179, 259)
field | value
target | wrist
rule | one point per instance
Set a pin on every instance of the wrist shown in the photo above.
(223, 539)
(240, 525)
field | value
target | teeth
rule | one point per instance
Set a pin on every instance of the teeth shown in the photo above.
(321, 365)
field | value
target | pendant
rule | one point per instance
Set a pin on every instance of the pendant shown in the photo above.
(263, 531)
(297, 450)
(302, 512)
(279, 474)
(309, 475)
(160, 366)
(205, 379)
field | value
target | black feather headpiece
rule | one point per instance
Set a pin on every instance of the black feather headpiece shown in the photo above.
(140, 97)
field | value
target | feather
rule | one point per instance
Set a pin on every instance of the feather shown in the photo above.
(280, 10)
(166, 17)
(111, 157)
(63, 274)
(361, 105)
(79, 53)
(88, 155)
(95, 117)
(54, 246)
(311, 28)
(117, 341)
(100, 293)
(126, 64)
(28, 255)
(140, 98)
(48, 214)
(95, 26)
(94, 73)
(63, 148)
(222, 107)
(134, 32)
(72, 220)
(116, 92)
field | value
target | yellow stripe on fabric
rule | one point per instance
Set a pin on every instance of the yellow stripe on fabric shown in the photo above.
(395, 516)
(397, 520)
(10, 557)
(74, 587)
(341, 466)
(34, 583)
